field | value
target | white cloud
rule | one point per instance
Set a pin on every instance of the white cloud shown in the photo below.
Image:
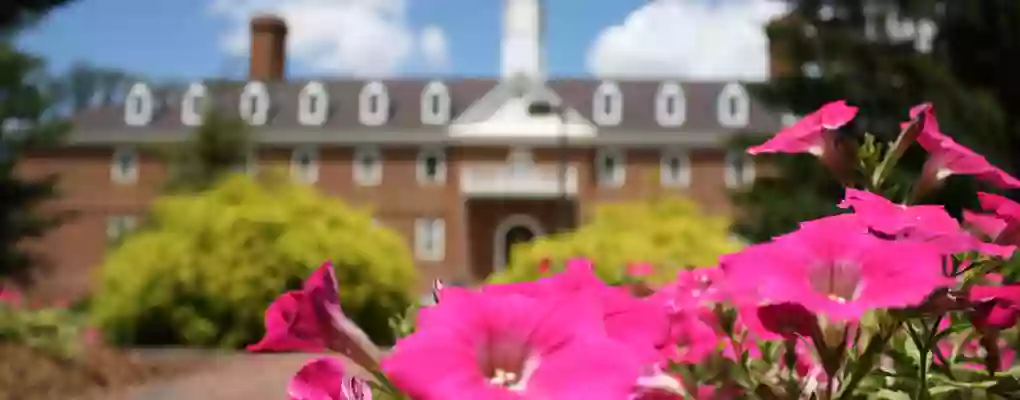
(434, 48)
(369, 38)
(694, 39)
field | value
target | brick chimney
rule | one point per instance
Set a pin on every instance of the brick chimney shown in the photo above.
(779, 57)
(268, 48)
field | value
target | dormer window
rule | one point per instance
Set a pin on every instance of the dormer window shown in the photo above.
(675, 168)
(139, 105)
(431, 166)
(374, 104)
(254, 103)
(734, 106)
(193, 105)
(739, 169)
(435, 108)
(607, 106)
(609, 168)
(313, 104)
(670, 105)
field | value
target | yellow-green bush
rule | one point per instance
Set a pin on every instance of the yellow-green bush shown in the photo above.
(204, 267)
(670, 234)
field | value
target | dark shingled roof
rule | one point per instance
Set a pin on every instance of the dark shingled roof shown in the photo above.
(106, 125)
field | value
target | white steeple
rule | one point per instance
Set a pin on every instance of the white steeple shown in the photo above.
(523, 47)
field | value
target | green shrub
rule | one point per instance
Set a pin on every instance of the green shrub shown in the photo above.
(54, 331)
(205, 266)
(670, 234)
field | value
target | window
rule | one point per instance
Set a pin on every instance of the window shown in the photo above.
(435, 105)
(367, 166)
(675, 169)
(193, 105)
(733, 106)
(250, 164)
(607, 105)
(139, 105)
(313, 104)
(670, 105)
(609, 168)
(520, 161)
(431, 166)
(374, 104)
(739, 169)
(118, 227)
(304, 164)
(789, 119)
(254, 103)
(124, 166)
(430, 239)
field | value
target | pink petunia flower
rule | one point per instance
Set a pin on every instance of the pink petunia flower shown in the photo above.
(1003, 225)
(640, 323)
(811, 133)
(836, 269)
(946, 157)
(311, 320)
(325, 379)
(922, 223)
(996, 307)
(12, 298)
(477, 345)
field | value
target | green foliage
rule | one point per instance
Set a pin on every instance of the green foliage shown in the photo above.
(217, 148)
(206, 266)
(670, 234)
(55, 331)
(23, 127)
(885, 77)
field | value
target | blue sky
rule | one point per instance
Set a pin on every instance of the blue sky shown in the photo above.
(182, 39)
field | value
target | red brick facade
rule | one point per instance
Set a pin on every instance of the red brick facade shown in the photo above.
(76, 248)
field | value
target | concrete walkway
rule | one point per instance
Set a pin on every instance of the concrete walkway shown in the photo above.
(237, 376)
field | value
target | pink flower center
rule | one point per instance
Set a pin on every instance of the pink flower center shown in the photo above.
(507, 363)
(840, 281)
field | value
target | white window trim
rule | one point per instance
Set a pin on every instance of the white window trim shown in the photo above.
(306, 116)
(196, 95)
(731, 173)
(666, 178)
(618, 177)
(309, 175)
(435, 227)
(119, 225)
(738, 118)
(130, 176)
(435, 92)
(421, 172)
(382, 113)
(363, 177)
(788, 119)
(615, 115)
(499, 236)
(139, 92)
(259, 114)
(667, 91)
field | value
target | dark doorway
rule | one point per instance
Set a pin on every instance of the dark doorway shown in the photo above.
(516, 235)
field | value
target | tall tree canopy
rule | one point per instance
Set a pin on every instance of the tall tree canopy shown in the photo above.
(885, 56)
(221, 145)
(24, 124)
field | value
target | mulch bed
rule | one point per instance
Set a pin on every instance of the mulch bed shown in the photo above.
(27, 374)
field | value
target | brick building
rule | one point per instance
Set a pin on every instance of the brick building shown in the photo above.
(460, 167)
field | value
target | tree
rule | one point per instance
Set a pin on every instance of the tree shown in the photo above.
(877, 55)
(25, 124)
(220, 146)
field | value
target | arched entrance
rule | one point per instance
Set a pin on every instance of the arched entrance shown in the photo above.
(514, 229)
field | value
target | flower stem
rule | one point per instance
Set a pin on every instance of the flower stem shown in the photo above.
(866, 362)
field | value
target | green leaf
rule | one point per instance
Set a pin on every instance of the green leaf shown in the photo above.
(886, 394)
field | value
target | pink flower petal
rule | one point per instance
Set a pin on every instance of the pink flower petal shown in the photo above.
(325, 379)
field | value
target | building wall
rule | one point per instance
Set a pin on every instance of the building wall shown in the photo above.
(76, 248)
